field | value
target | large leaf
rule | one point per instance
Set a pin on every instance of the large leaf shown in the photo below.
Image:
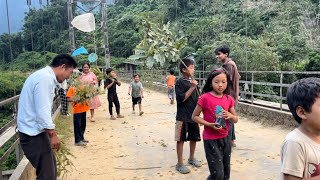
(150, 62)
(136, 57)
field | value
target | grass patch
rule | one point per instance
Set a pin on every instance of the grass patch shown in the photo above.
(63, 126)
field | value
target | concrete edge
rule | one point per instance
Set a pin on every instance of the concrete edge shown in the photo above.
(24, 171)
(266, 116)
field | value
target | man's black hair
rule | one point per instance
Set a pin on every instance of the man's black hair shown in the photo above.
(108, 70)
(303, 93)
(187, 61)
(65, 59)
(222, 49)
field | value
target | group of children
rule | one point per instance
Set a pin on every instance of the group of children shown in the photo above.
(214, 102)
(80, 109)
(300, 153)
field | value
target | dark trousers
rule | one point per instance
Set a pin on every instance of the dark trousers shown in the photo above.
(79, 126)
(38, 151)
(218, 154)
(231, 133)
(113, 98)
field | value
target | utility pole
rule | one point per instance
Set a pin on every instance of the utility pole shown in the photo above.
(104, 27)
(105, 32)
(71, 28)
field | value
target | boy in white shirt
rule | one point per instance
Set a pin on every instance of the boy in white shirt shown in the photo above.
(300, 152)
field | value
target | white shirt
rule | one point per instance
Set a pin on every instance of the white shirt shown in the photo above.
(300, 156)
(35, 102)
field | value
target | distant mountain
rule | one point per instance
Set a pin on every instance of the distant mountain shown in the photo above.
(17, 10)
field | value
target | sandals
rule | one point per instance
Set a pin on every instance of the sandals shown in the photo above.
(194, 162)
(181, 168)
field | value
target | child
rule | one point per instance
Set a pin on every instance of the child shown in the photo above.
(110, 84)
(79, 118)
(300, 152)
(216, 106)
(136, 90)
(186, 129)
(222, 54)
(171, 79)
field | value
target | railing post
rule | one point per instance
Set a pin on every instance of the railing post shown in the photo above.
(251, 87)
(199, 75)
(1, 177)
(281, 82)
(19, 152)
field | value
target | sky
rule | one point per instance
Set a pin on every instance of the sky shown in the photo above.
(17, 10)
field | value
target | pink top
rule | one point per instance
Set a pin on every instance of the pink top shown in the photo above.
(208, 103)
(90, 78)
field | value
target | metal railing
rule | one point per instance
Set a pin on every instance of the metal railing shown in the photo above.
(264, 88)
(8, 133)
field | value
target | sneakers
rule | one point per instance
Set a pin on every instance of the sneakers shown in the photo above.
(80, 143)
(194, 162)
(120, 116)
(84, 140)
(140, 114)
(181, 168)
(113, 118)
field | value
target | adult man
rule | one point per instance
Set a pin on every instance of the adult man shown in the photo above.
(222, 54)
(35, 125)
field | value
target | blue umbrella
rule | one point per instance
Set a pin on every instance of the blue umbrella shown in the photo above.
(79, 51)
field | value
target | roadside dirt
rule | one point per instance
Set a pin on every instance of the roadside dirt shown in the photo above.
(143, 147)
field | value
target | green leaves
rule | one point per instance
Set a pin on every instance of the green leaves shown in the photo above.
(159, 46)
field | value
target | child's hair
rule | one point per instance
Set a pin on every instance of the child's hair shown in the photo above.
(223, 49)
(171, 71)
(303, 93)
(208, 86)
(108, 71)
(134, 76)
(187, 61)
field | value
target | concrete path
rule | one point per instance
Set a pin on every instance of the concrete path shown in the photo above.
(143, 147)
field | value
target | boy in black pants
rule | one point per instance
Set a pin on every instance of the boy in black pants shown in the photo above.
(110, 83)
(186, 129)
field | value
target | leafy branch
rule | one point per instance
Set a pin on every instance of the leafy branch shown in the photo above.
(159, 45)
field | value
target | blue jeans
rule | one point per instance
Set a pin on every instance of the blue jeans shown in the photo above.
(79, 125)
